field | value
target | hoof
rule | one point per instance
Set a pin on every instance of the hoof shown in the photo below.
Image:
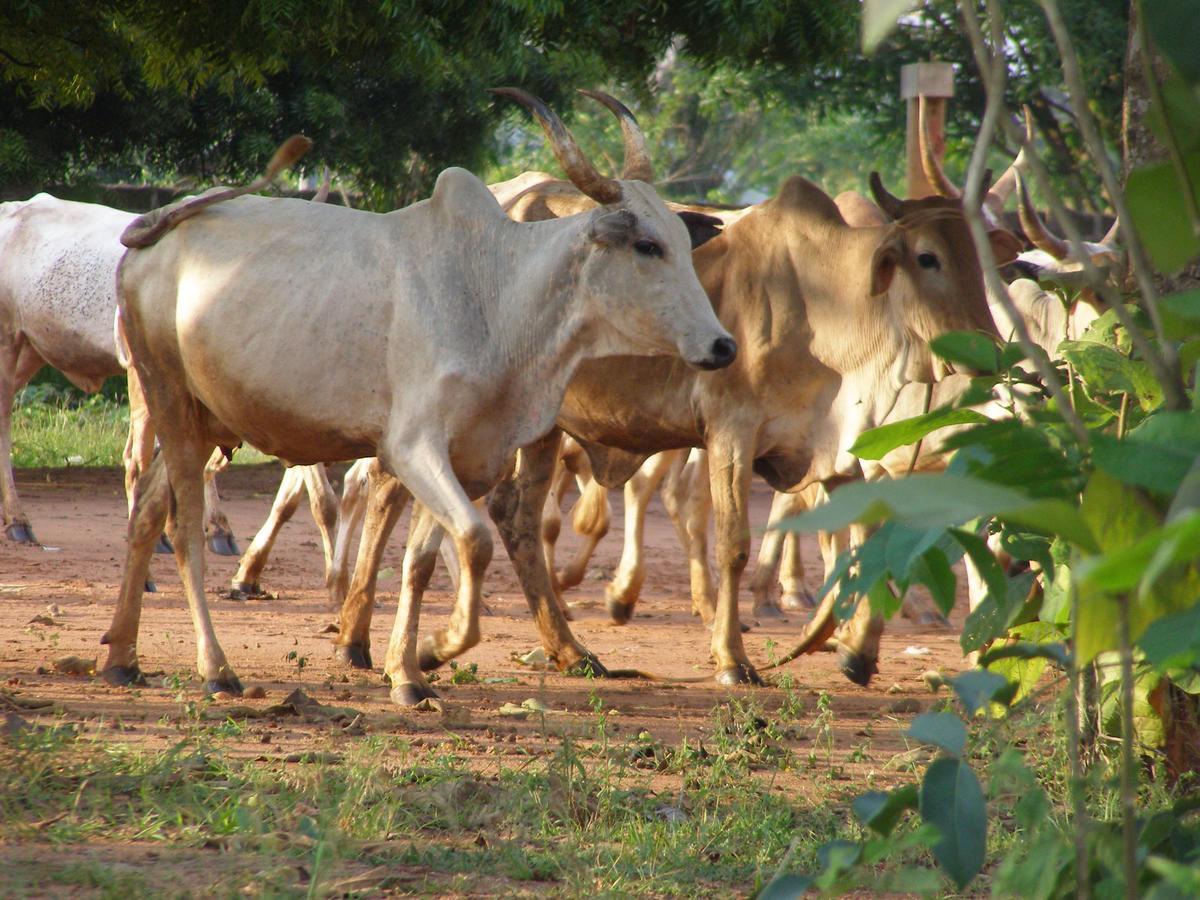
(768, 612)
(150, 587)
(427, 656)
(587, 667)
(164, 545)
(856, 667)
(223, 544)
(932, 619)
(798, 602)
(356, 656)
(409, 694)
(743, 673)
(123, 676)
(21, 533)
(228, 682)
(619, 612)
(240, 590)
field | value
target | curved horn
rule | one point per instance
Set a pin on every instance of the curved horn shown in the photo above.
(322, 193)
(934, 173)
(1037, 232)
(1006, 183)
(576, 166)
(889, 203)
(638, 166)
(1110, 236)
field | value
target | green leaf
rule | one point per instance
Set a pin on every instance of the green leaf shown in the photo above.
(876, 443)
(1156, 455)
(1173, 641)
(1155, 199)
(1023, 663)
(970, 348)
(1055, 652)
(995, 615)
(977, 688)
(1174, 25)
(881, 811)
(952, 799)
(945, 730)
(932, 569)
(1125, 569)
(786, 887)
(1181, 315)
(879, 18)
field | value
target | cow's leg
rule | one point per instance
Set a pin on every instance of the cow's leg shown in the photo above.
(623, 592)
(355, 490)
(323, 504)
(403, 664)
(287, 499)
(729, 462)
(792, 580)
(150, 500)
(18, 363)
(770, 552)
(693, 483)
(216, 527)
(920, 609)
(551, 528)
(859, 647)
(386, 498)
(515, 505)
(590, 520)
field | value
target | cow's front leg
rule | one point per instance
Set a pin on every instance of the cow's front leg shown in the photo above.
(386, 498)
(216, 527)
(858, 647)
(779, 555)
(623, 592)
(150, 500)
(729, 462)
(287, 499)
(515, 505)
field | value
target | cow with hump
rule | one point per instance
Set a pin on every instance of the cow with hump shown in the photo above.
(832, 322)
(439, 338)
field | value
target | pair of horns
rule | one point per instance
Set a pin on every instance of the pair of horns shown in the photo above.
(576, 165)
(1044, 239)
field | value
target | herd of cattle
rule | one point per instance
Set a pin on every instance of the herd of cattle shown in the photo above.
(501, 341)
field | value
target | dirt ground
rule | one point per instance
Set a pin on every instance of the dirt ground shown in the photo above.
(79, 515)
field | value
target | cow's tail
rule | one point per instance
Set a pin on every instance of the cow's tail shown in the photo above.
(148, 229)
(819, 630)
(124, 357)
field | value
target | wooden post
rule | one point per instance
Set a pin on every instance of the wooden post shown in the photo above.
(935, 82)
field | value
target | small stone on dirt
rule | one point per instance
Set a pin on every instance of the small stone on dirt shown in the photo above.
(907, 705)
(74, 665)
(430, 704)
(254, 693)
(41, 620)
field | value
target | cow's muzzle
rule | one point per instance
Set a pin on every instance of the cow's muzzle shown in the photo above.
(722, 353)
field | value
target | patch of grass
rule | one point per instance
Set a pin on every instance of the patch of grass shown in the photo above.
(55, 429)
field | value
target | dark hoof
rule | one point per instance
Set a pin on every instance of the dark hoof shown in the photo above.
(22, 533)
(932, 619)
(856, 667)
(408, 694)
(743, 673)
(588, 667)
(229, 683)
(150, 587)
(356, 656)
(427, 656)
(223, 544)
(123, 676)
(798, 602)
(768, 612)
(240, 590)
(164, 545)
(619, 612)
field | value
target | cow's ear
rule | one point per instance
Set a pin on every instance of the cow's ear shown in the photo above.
(884, 261)
(701, 228)
(1005, 245)
(613, 229)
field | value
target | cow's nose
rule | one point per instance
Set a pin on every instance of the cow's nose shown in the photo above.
(723, 352)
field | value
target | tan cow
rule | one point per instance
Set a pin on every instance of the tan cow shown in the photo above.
(439, 338)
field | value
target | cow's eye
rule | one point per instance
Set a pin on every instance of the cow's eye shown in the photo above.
(647, 247)
(928, 261)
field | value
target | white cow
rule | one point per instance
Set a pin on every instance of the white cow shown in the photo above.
(439, 338)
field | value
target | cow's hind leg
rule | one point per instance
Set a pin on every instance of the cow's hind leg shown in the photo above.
(323, 504)
(287, 499)
(515, 505)
(18, 364)
(859, 646)
(351, 511)
(404, 664)
(217, 529)
(386, 498)
(150, 501)
(623, 592)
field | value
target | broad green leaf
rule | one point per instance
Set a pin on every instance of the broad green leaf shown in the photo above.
(932, 569)
(881, 811)
(1148, 727)
(1174, 25)
(944, 730)
(1155, 199)
(995, 615)
(1125, 569)
(1118, 516)
(1183, 877)
(977, 688)
(977, 549)
(876, 443)
(786, 887)
(938, 501)
(952, 799)
(1023, 663)
(970, 348)
(879, 18)
(838, 855)
(1173, 641)
(1095, 625)
(1181, 315)
(1106, 371)
(1155, 455)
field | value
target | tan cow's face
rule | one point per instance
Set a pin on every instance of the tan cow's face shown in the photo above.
(640, 277)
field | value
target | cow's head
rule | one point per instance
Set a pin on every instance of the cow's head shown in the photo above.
(636, 270)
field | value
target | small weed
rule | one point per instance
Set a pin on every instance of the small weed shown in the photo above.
(468, 674)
